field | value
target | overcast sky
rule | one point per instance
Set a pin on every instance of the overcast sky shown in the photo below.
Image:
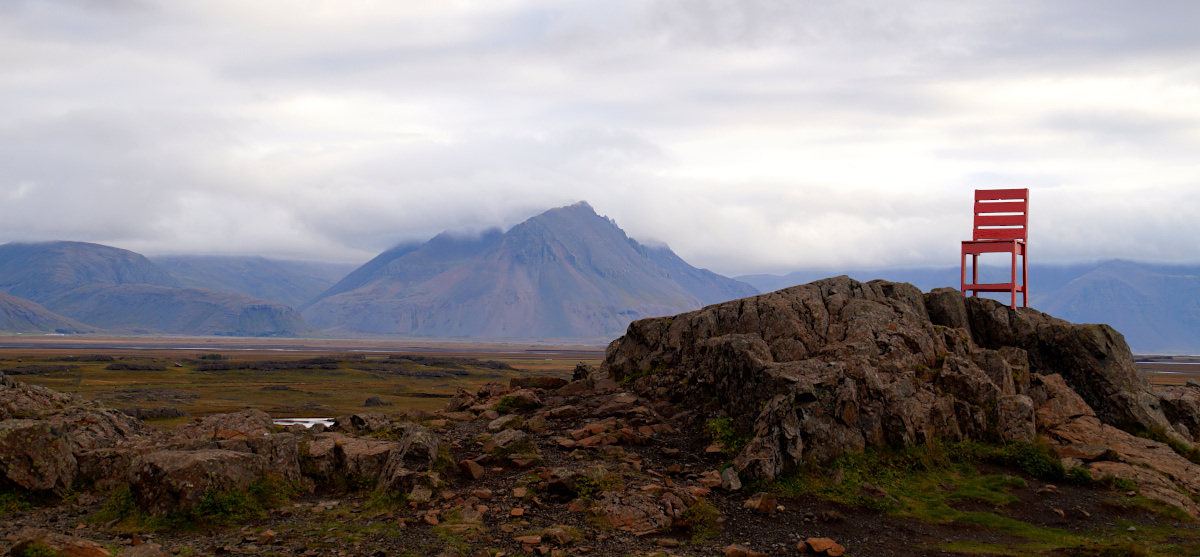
(750, 136)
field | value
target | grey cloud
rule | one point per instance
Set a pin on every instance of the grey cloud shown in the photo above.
(750, 136)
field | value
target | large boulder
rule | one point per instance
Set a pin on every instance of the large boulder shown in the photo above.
(35, 456)
(107, 468)
(21, 400)
(166, 482)
(90, 428)
(282, 451)
(246, 424)
(363, 461)
(1181, 405)
(416, 455)
(812, 371)
(1093, 359)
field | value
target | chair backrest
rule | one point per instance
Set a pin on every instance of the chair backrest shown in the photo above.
(1001, 214)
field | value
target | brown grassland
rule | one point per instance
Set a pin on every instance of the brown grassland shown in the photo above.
(285, 378)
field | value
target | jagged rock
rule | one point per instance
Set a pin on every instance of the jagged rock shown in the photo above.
(364, 457)
(640, 513)
(523, 399)
(246, 424)
(1159, 469)
(536, 382)
(164, 482)
(35, 456)
(89, 429)
(416, 454)
(812, 371)
(947, 307)
(461, 400)
(363, 422)
(508, 437)
(107, 468)
(822, 546)
(1056, 403)
(282, 451)
(761, 503)
(471, 469)
(22, 400)
(730, 480)
(1093, 359)
(1181, 405)
(574, 388)
(503, 421)
(27, 540)
(490, 390)
(1014, 417)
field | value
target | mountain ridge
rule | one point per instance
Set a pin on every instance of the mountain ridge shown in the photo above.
(121, 291)
(567, 272)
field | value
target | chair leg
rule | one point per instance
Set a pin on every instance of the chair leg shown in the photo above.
(975, 272)
(1025, 275)
(1013, 279)
(962, 273)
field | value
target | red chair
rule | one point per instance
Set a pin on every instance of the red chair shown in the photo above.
(1001, 219)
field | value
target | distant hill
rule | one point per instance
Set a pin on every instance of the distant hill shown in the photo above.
(1156, 307)
(144, 309)
(565, 273)
(41, 272)
(18, 315)
(288, 282)
(122, 291)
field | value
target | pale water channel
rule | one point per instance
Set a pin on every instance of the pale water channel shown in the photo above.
(306, 422)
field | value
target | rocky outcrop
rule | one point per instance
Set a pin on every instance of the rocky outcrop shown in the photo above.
(1181, 406)
(51, 445)
(35, 456)
(165, 482)
(810, 372)
(1093, 359)
(246, 424)
(19, 400)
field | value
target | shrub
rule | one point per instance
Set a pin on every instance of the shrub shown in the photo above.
(700, 520)
(721, 430)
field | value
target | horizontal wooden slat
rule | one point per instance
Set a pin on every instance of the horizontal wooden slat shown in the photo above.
(1001, 220)
(1002, 287)
(1001, 207)
(1002, 194)
(999, 233)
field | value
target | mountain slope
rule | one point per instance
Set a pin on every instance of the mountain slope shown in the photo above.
(565, 273)
(704, 284)
(42, 271)
(410, 264)
(288, 282)
(18, 315)
(145, 309)
(120, 290)
(1157, 308)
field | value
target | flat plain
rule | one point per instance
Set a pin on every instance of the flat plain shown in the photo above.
(283, 377)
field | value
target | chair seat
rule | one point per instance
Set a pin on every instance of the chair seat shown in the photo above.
(993, 246)
(995, 287)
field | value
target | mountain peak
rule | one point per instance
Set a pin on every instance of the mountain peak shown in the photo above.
(567, 272)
